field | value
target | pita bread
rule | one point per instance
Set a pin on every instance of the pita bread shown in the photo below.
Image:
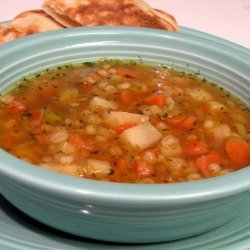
(109, 12)
(10, 32)
(28, 23)
(64, 20)
(34, 21)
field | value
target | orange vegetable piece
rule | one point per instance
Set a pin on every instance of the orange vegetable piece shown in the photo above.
(175, 120)
(142, 169)
(238, 151)
(79, 142)
(36, 114)
(16, 108)
(124, 127)
(183, 122)
(121, 164)
(127, 97)
(48, 92)
(155, 99)
(204, 161)
(195, 148)
(189, 123)
(9, 142)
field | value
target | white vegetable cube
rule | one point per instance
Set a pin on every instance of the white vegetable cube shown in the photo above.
(199, 94)
(116, 118)
(98, 167)
(101, 103)
(141, 136)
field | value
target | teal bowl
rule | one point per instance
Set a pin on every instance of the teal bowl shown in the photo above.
(128, 213)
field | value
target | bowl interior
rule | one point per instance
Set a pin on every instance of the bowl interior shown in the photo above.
(213, 59)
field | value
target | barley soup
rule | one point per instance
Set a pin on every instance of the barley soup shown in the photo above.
(125, 121)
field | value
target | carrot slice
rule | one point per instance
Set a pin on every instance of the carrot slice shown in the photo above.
(195, 148)
(142, 169)
(189, 123)
(9, 142)
(121, 164)
(79, 142)
(175, 120)
(127, 97)
(204, 161)
(155, 99)
(16, 108)
(36, 114)
(183, 122)
(48, 92)
(238, 151)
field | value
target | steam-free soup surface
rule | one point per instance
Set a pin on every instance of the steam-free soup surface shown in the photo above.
(125, 122)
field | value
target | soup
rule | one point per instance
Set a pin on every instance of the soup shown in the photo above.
(124, 121)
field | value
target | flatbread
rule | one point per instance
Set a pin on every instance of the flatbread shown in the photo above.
(10, 32)
(169, 19)
(109, 12)
(28, 23)
(35, 21)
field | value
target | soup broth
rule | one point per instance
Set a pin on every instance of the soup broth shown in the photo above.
(127, 122)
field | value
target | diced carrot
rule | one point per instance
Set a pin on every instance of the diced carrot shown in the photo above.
(175, 120)
(121, 164)
(142, 169)
(9, 142)
(36, 114)
(238, 151)
(48, 92)
(124, 127)
(16, 108)
(79, 142)
(129, 73)
(127, 97)
(203, 162)
(120, 167)
(155, 99)
(183, 122)
(189, 123)
(195, 148)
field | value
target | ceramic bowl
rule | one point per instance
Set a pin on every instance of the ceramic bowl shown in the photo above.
(128, 213)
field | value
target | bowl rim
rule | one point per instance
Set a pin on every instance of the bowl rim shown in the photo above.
(186, 192)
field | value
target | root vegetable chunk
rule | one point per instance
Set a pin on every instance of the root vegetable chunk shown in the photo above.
(141, 136)
(199, 94)
(98, 167)
(101, 103)
(116, 118)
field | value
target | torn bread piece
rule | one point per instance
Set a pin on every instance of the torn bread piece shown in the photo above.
(34, 21)
(28, 23)
(109, 12)
(9, 32)
(63, 19)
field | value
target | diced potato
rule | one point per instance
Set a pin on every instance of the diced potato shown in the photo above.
(116, 118)
(141, 136)
(98, 102)
(98, 167)
(72, 169)
(199, 94)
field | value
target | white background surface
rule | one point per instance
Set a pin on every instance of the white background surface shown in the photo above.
(228, 19)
